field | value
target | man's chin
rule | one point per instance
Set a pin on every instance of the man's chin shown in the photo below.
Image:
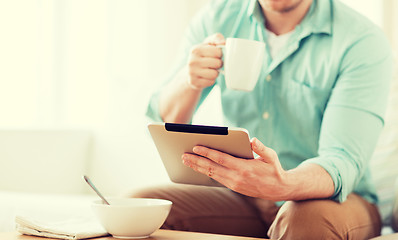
(280, 6)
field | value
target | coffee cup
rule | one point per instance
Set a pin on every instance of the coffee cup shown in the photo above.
(242, 63)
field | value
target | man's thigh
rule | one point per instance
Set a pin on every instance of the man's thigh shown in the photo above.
(325, 219)
(208, 209)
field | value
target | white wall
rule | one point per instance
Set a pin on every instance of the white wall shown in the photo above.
(91, 65)
(113, 61)
(44, 161)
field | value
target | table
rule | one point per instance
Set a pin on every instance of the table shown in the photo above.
(165, 235)
(158, 235)
(393, 236)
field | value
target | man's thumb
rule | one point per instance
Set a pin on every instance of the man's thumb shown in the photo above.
(264, 152)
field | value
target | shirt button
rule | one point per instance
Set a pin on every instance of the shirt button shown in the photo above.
(268, 78)
(265, 115)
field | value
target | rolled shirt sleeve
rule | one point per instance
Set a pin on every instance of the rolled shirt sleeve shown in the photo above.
(353, 118)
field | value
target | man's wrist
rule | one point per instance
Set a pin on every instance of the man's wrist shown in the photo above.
(296, 185)
(289, 186)
(188, 86)
(191, 87)
(307, 181)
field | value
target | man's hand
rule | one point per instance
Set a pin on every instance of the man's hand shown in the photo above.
(261, 177)
(204, 61)
(180, 97)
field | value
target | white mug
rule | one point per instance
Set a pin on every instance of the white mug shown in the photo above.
(243, 60)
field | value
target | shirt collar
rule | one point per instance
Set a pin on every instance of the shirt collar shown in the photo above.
(254, 10)
(317, 20)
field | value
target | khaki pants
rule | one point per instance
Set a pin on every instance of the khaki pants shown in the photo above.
(222, 211)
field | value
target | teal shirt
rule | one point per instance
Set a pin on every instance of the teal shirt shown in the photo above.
(320, 100)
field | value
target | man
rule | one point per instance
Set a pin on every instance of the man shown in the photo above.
(316, 113)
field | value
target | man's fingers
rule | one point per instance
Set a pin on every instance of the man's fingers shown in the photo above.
(207, 73)
(268, 154)
(215, 39)
(204, 166)
(218, 157)
(205, 50)
(207, 62)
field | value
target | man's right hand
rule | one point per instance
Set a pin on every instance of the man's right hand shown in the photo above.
(204, 62)
(179, 99)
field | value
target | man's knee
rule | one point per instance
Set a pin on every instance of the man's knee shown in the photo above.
(305, 220)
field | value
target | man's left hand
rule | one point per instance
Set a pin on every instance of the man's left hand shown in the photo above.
(261, 177)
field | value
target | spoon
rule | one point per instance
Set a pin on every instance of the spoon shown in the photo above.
(95, 189)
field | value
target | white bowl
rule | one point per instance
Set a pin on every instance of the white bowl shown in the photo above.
(132, 217)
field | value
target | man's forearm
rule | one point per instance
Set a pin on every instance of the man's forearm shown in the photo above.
(308, 181)
(178, 100)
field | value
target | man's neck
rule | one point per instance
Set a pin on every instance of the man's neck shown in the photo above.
(281, 22)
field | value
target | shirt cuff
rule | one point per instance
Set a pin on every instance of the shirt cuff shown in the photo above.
(342, 172)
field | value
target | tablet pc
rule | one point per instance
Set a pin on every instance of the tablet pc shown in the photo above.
(173, 140)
